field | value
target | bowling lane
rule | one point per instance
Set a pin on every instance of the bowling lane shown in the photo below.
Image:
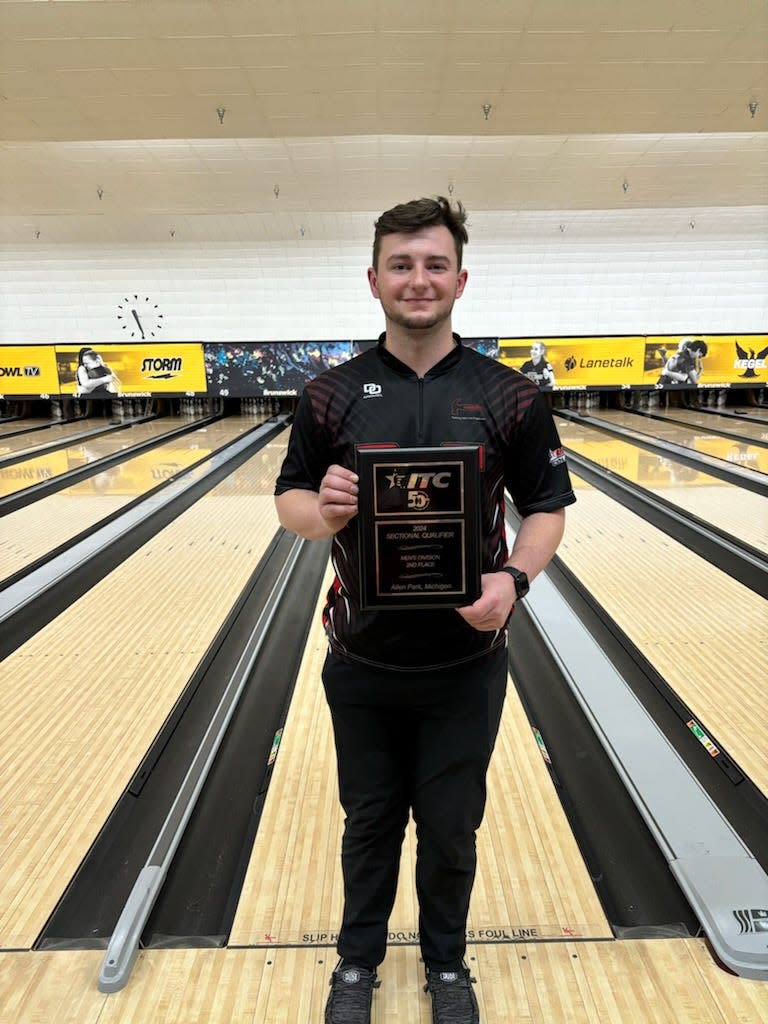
(727, 506)
(31, 532)
(12, 426)
(40, 438)
(706, 634)
(531, 879)
(750, 430)
(84, 698)
(705, 441)
(52, 464)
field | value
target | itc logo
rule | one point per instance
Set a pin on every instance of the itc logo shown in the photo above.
(423, 480)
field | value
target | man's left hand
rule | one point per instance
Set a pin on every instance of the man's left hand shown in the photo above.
(494, 606)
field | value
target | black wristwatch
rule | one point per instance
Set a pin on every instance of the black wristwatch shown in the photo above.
(522, 586)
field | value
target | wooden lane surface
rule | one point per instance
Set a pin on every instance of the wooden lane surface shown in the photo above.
(739, 512)
(703, 442)
(83, 699)
(49, 465)
(33, 531)
(11, 426)
(706, 634)
(662, 981)
(531, 879)
(20, 443)
(750, 429)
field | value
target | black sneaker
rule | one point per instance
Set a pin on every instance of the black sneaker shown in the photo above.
(351, 995)
(453, 1001)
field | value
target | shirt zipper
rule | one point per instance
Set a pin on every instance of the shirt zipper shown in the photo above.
(420, 427)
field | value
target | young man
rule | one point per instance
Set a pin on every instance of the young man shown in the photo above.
(416, 696)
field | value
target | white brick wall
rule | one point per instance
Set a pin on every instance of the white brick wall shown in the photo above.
(641, 271)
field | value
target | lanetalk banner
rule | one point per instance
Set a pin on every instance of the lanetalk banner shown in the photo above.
(564, 363)
(703, 360)
(108, 371)
(28, 371)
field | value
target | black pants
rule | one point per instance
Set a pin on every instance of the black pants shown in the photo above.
(420, 741)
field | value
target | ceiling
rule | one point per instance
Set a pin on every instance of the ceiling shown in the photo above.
(185, 111)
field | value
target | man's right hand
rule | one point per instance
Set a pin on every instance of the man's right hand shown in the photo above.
(337, 501)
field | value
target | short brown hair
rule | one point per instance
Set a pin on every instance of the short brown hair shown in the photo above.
(422, 213)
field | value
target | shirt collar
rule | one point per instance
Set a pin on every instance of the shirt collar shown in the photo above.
(446, 363)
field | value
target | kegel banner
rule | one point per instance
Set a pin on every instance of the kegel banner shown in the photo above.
(563, 363)
(106, 371)
(28, 371)
(690, 360)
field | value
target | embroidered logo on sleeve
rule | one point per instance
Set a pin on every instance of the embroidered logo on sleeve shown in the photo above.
(371, 390)
(556, 456)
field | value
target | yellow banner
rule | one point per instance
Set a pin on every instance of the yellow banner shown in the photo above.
(563, 363)
(111, 370)
(690, 360)
(28, 371)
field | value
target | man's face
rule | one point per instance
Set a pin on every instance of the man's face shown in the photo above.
(417, 279)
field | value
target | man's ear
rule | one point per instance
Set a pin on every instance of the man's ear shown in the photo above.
(373, 283)
(461, 282)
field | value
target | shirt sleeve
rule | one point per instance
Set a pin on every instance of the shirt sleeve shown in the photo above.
(307, 457)
(536, 474)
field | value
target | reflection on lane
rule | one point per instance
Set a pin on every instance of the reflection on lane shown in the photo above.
(738, 453)
(29, 533)
(49, 465)
(733, 509)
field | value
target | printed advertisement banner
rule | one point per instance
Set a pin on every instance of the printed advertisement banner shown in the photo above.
(28, 371)
(144, 370)
(284, 368)
(274, 368)
(688, 360)
(563, 363)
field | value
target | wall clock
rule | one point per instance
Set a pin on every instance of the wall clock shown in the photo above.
(140, 317)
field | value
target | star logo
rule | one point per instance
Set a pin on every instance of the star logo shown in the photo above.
(395, 479)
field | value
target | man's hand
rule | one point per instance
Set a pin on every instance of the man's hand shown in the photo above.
(494, 606)
(337, 499)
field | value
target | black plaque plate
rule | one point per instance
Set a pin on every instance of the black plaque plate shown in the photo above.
(419, 521)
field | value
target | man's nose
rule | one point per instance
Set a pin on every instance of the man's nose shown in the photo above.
(419, 276)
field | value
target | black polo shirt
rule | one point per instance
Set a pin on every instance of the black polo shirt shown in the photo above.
(465, 398)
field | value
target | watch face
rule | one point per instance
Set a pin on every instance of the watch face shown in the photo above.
(522, 586)
(140, 317)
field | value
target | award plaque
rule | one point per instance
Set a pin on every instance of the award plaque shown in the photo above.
(419, 521)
